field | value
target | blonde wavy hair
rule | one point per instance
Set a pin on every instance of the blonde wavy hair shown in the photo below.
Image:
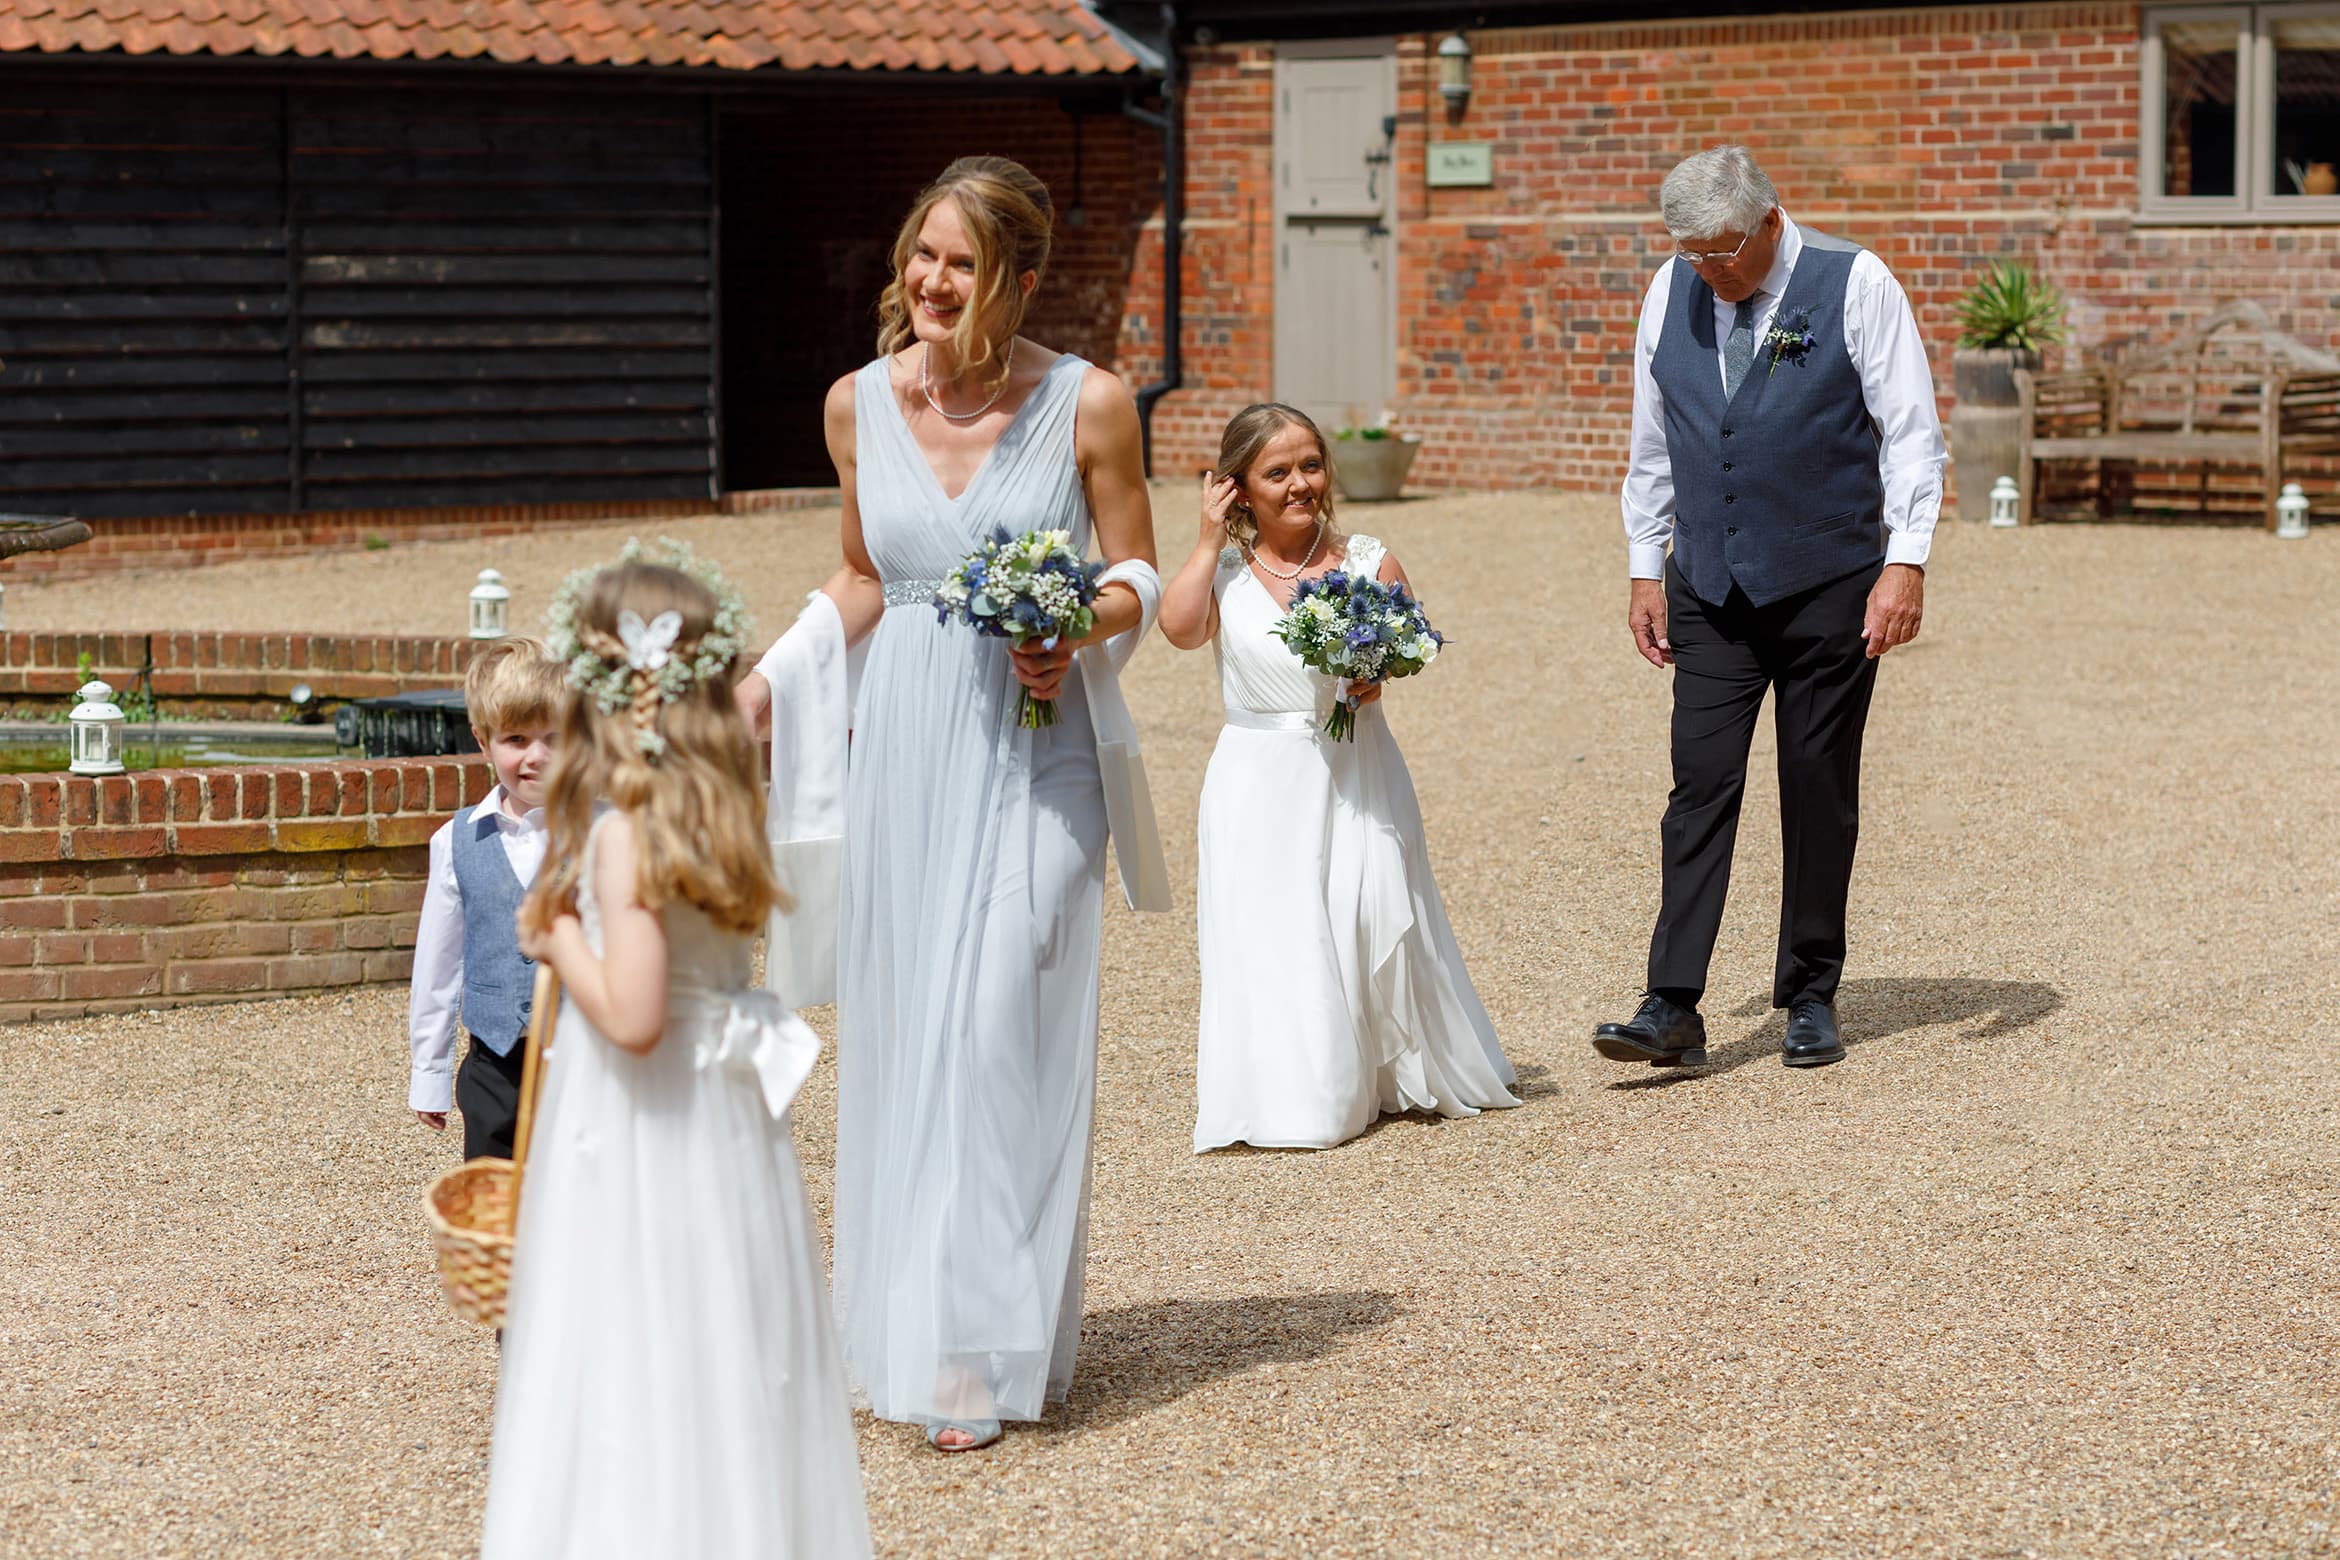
(1009, 220)
(697, 806)
(511, 685)
(1248, 433)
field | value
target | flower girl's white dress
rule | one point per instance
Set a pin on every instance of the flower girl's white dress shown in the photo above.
(1332, 988)
(670, 1381)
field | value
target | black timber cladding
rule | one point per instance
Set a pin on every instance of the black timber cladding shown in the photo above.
(255, 299)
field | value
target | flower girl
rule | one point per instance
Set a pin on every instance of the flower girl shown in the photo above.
(671, 1384)
(1332, 988)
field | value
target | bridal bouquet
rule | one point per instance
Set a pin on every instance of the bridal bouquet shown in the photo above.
(1355, 627)
(1022, 588)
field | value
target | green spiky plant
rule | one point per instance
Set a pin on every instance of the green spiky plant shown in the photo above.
(2011, 307)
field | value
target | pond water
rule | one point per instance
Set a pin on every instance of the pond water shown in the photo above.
(48, 749)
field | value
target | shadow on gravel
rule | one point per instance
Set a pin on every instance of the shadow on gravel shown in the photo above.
(1870, 1010)
(1535, 1081)
(1142, 1357)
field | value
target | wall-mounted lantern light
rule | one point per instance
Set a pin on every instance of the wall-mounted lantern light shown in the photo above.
(1454, 72)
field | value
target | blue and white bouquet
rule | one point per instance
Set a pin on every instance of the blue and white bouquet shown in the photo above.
(1021, 589)
(1355, 627)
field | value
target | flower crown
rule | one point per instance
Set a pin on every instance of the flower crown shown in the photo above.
(642, 666)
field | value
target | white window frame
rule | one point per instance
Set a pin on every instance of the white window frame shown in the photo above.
(2254, 138)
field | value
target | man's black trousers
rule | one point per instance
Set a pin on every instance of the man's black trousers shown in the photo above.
(1808, 649)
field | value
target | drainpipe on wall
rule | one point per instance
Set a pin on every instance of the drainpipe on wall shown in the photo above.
(1171, 121)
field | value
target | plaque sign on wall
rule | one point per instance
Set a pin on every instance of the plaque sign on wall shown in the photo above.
(1461, 164)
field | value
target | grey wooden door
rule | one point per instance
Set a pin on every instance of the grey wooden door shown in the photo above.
(1336, 298)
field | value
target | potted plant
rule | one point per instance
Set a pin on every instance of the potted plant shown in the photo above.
(2003, 322)
(1370, 463)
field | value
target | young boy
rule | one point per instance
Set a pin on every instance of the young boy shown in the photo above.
(467, 955)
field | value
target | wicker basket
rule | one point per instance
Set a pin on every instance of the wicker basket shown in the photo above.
(473, 1208)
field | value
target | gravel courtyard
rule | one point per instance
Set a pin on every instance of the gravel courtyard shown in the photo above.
(2047, 1267)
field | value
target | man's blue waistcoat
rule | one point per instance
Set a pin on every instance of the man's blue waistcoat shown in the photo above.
(1777, 489)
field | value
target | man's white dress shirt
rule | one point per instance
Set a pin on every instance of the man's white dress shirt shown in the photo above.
(1881, 335)
(436, 1001)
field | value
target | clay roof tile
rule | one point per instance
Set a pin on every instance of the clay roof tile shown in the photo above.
(1020, 37)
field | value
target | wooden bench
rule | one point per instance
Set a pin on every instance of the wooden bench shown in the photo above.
(2234, 391)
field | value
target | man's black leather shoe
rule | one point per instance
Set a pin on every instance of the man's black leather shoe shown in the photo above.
(1812, 1040)
(1661, 1034)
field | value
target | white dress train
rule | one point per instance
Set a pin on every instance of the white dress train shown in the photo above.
(1332, 987)
(670, 1382)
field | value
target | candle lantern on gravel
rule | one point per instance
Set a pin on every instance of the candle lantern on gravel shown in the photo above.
(2291, 512)
(2004, 498)
(97, 731)
(491, 606)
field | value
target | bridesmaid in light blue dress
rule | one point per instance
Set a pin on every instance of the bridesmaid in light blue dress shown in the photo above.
(974, 849)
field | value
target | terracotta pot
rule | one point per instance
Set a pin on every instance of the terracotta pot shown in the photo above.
(1369, 469)
(2319, 180)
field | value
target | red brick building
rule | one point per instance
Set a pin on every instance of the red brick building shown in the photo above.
(395, 254)
(2148, 161)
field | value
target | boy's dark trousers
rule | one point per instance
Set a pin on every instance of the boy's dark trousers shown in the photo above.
(487, 1092)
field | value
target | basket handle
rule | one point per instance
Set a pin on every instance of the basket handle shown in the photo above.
(543, 1008)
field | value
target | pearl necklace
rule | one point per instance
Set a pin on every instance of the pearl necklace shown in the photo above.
(926, 355)
(1314, 543)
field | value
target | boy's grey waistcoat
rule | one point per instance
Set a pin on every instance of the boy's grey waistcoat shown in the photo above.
(1777, 489)
(499, 981)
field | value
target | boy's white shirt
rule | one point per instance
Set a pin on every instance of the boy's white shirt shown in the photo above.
(816, 681)
(435, 1000)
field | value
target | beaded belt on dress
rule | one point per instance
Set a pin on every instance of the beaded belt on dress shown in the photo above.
(1275, 720)
(911, 593)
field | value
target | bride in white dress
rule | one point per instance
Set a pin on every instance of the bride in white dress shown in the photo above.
(1332, 988)
(974, 857)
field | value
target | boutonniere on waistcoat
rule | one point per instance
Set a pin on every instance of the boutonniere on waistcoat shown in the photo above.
(1791, 338)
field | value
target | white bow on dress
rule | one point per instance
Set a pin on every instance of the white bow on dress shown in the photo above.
(759, 1034)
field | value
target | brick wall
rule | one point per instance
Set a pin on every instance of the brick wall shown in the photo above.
(217, 674)
(1939, 136)
(180, 886)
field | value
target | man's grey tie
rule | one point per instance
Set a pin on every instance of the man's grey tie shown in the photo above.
(1739, 347)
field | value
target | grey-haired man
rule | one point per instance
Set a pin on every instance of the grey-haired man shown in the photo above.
(1786, 444)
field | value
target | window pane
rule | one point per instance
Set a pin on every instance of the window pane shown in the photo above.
(2197, 96)
(2307, 105)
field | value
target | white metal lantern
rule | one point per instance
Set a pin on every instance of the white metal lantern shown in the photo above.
(2004, 498)
(491, 606)
(97, 731)
(2291, 512)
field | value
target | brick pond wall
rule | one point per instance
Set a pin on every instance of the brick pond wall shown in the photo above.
(215, 674)
(172, 887)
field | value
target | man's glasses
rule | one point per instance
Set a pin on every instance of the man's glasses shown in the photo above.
(1717, 258)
